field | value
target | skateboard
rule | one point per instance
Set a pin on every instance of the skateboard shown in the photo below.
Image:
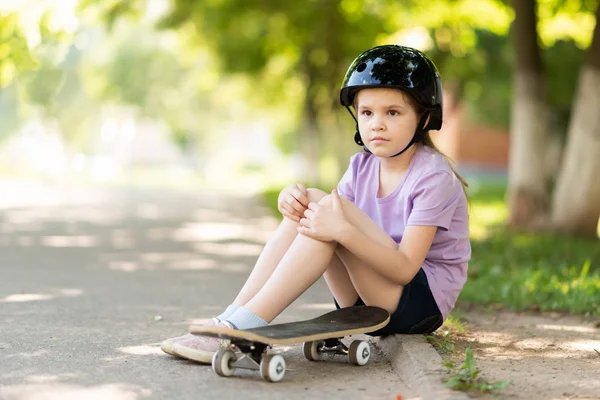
(321, 335)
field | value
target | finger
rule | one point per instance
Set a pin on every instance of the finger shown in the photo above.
(305, 222)
(294, 202)
(288, 208)
(305, 231)
(304, 191)
(296, 205)
(309, 213)
(335, 196)
(293, 215)
(300, 197)
(313, 206)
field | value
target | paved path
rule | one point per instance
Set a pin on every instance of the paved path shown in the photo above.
(91, 284)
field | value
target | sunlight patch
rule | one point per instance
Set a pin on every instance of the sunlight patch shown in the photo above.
(229, 249)
(126, 266)
(585, 345)
(33, 354)
(193, 264)
(18, 298)
(71, 292)
(69, 241)
(119, 391)
(143, 350)
(208, 231)
(582, 329)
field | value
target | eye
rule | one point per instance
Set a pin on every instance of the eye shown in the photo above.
(393, 112)
(366, 112)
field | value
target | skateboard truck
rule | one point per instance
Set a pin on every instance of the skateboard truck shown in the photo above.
(252, 355)
(255, 357)
(334, 346)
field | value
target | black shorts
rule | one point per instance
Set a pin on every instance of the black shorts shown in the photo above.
(417, 310)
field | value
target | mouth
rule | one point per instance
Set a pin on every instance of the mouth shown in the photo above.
(378, 139)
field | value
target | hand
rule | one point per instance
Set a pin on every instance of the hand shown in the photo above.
(293, 201)
(325, 221)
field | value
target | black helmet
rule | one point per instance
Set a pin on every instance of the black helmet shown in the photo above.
(397, 67)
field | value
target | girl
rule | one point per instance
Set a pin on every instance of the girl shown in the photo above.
(395, 232)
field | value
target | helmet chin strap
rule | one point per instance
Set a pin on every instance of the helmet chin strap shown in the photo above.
(416, 137)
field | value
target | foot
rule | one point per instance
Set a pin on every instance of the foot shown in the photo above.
(167, 345)
(201, 348)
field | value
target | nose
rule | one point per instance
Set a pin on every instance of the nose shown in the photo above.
(377, 124)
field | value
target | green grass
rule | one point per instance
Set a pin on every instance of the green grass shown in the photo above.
(522, 271)
(442, 343)
(466, 376)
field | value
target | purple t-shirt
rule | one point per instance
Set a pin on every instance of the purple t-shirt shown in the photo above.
(428, 194)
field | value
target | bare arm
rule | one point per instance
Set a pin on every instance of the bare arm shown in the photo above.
(399, 265)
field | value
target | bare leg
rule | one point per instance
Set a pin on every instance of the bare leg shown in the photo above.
(372, 287)
(270, 256)
(302, 265)
(307, 259)
(273, 253)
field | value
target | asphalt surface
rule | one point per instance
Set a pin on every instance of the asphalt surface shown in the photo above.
(91, 283)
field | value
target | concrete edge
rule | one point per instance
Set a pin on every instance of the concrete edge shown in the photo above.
(419, 365)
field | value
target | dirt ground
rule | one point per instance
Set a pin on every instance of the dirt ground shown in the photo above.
(546, 356)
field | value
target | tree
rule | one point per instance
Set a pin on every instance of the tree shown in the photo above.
(16, 54)
(528, 195)
(313, 41)
(576, 204)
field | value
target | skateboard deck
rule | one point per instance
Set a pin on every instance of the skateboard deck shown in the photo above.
(339, 323)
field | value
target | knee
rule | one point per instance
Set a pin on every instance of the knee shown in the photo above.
(315, 195)
(325, 201)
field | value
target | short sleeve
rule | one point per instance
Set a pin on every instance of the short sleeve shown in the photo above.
(434, 199)
(345, 186)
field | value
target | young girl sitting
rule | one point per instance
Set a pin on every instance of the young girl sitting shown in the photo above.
(395, 232)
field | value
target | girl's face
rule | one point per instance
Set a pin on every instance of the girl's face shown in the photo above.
(386, 120)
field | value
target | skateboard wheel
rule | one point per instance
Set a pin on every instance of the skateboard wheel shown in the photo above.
(223, 362)
(311, 350)
(272, 367)
(359, 352)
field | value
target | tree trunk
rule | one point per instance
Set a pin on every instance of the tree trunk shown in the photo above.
(527, 190)
(309, 135)
(576, 205)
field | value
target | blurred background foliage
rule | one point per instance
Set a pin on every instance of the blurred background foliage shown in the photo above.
(194, 64)
(244, 93)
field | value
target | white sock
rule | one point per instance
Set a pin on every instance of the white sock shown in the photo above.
(243, 318)
(228, 312)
